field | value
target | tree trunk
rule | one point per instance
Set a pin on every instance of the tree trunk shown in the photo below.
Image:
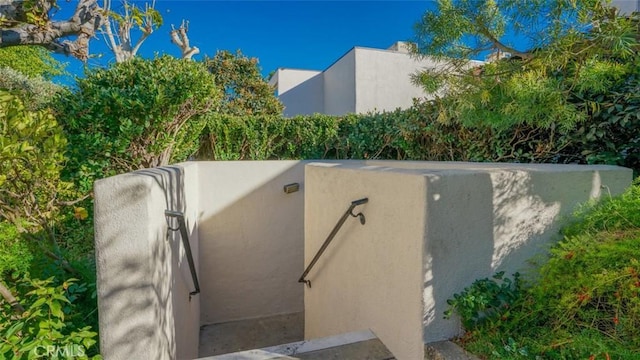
(8, 297)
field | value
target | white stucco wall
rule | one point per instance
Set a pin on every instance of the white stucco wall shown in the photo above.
(470, 219)
(300, 91)
(626, 6)
(340, 85)
(362, 80)
(251, 235)
(370, 277)
(491, 219)
(143, 279)
(383, 79)
(432, 228)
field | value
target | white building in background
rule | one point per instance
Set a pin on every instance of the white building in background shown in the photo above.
(362, 80)
(626, 6)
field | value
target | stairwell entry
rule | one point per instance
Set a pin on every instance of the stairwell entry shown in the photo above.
(315, 259)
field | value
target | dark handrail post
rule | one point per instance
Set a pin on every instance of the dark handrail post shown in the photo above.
(187, 247)
(333, 233)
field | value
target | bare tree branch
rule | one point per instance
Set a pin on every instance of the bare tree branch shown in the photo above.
(181, 39)
(121, 43)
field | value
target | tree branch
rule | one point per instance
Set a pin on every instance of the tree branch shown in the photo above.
(499, 45)
(83, 24)
(181, 39)
(8, 297)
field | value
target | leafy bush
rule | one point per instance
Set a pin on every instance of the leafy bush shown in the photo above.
(36, 93)
(31, 157)
(32, 61)
(412, 134)
(269, 137)
(610, 134)
(15, 254)
(245, 92)
(34, 239)
(136, 114)
(487, 302)
(46, 329)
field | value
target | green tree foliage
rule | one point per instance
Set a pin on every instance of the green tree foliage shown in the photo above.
(245, 91)
(46, 329)
(15, 254)
(36, 93)
(32, 146)
(245, 95)
(610, 133)
(32, 61)
(576, 47)
(31, 158)
(136, 114)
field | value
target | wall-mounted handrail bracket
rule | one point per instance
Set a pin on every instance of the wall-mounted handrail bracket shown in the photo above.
(333, 233)
(360, 215)
(182, 227)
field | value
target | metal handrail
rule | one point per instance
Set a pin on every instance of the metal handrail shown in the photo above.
(187, 247)
(333, 233)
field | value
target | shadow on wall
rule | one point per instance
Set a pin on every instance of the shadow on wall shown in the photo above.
(459, 243)
(184, 309)
(124, 289)
(136, 264)
(252, 240)
(305, 98)
(496, 221)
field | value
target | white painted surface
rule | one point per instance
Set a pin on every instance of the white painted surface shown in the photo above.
(371, 275)
(301, 91)
(340, 85)
(626, 6)
(383, 79)
(362, 80)
(143, 292)
(251, 235)
(465, 220)
(432, 228)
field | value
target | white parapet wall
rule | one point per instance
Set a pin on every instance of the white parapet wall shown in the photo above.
(247, 240)
(144, 282)
(431, 229)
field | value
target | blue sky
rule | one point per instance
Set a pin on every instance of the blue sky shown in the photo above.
(293, 34)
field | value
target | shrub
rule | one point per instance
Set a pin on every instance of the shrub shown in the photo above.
(32, 61)
(36, 93)
(487, 302)
(411, 134)
(31, 157)
(15, 254)
(46, 328)
(136, 114)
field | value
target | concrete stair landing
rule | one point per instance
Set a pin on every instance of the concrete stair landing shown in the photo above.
(281, 337)
(362, 345)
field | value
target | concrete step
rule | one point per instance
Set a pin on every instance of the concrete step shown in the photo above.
(362, 345)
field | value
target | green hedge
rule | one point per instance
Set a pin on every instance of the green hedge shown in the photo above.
(416, 134)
